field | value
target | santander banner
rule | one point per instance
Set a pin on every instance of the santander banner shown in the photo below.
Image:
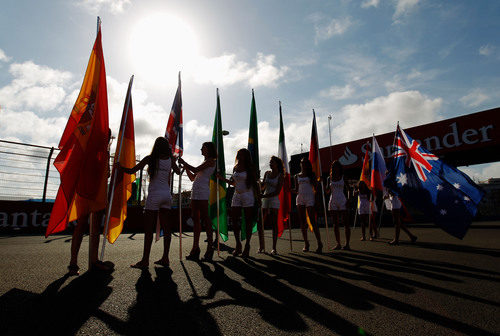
(464, 140)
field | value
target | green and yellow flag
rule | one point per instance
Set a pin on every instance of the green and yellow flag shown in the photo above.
(218, 216)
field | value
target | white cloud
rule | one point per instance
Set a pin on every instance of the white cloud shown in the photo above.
(193, 127)
(227, 70)
(34, 87)
(381, 114)
(327, 28)
(96, 6)
(338, 92)
(403, 8)
(370, 3)
(482, 172)
(475, 98)
(3, 57)
(486, 50)
(26, 126)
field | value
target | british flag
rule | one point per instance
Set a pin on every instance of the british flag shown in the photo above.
(444, 194)
(174, 126)
(413, 153)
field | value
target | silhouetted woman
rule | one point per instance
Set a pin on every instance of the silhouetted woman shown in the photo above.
(272, 184)
(159, 200)
(305, 186)
(246, 190)
(200, 176)
(337, 205)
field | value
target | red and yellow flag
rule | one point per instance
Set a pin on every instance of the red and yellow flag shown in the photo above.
(83, 161)
(314, 149)
(365, 170)
(314, 159)
(125, 154)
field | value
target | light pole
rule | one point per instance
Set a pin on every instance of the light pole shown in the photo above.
(330, 134)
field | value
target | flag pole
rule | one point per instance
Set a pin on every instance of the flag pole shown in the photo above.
(289, 214)
(180, 214)
(322, 190)
(179, 198)
(117, 159)
(392, 149)
(91, 216)
(217, 170)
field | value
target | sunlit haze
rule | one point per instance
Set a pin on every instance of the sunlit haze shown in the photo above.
(161, 45)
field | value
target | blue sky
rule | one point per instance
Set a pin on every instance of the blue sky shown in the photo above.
(366, 63)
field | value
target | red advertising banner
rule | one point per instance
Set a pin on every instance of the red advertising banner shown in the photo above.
(465, 140)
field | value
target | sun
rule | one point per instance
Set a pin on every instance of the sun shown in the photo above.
(161, 45)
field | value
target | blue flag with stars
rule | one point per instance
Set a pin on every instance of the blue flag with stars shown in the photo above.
(443, 193)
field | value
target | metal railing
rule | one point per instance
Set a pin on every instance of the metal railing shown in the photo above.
(27, 172)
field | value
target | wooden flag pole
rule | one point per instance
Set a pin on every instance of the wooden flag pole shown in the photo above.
(290, 231)
(117, 159)
(262, 224)
(216, 178)
(180, 215)
(324, 210)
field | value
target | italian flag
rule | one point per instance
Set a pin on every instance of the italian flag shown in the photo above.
(284, 196)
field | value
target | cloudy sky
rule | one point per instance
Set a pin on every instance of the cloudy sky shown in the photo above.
(366, 63)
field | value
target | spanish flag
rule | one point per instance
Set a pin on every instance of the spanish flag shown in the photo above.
(122, 182)
(365, 170)
(83, 162)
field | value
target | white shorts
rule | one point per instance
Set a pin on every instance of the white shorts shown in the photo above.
(271, 203)
(157, 200)
(306, 200)
(395, 203)
(244, 200)
(337, 203)
(200, 194)
(365, 208)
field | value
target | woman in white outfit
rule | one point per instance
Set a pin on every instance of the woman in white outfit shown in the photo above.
(246, 189)
(159, 199)
(363, 207)
(337, 205)
(271, 186)
(396, 218)
(305, 185)
(199, 199)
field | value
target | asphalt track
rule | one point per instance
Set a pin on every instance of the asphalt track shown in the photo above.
(438, 286)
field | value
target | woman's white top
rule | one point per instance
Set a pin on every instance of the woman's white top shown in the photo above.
(201, 184)
(305, 194)
(159, 187)
(240, 182)
(337, 197)
(243, 196)
(271, 186)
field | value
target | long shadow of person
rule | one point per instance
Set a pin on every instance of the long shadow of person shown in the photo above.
(277, 314)
(403, 307)
(159, 309)
(291, 298)
(420, 265)
(391, 281)
(56, 311)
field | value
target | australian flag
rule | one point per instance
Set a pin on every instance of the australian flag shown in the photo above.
(174, 125)
(446, 195)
